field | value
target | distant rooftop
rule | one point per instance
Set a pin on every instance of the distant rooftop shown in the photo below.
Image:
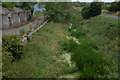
(37, 9)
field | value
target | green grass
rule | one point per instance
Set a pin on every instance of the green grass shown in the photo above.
(103, 31)
(39, 14)
(41, 57)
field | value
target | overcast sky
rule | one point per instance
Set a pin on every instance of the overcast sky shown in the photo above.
(92, 0)
(77, 0)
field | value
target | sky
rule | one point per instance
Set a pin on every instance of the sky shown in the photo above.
(82, 0)
(92, 0)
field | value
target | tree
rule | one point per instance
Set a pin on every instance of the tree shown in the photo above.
(93, 10)
(86, 12)
(114, 7)
(58, 11)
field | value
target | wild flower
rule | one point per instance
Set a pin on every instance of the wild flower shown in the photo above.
(70, 27)
(67, 37)
(73, 38)
(74, 30)
(70, 24)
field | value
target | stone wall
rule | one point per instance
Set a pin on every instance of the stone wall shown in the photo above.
(0, 22)
(22, 17)
(13, 19)
(5, 22)
(27, 28)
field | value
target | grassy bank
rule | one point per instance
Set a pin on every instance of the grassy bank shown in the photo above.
(97, 36)
(104, 32)
(41, 57)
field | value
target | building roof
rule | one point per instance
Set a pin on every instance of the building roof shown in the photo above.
(37, 9)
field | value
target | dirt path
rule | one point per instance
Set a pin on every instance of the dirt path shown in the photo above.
(111, 16)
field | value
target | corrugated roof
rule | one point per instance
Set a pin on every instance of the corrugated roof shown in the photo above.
(5, 11)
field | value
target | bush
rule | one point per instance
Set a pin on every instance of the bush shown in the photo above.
(93, 10)
(12, 44)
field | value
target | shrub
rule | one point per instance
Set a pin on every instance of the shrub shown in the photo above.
(12, 43)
